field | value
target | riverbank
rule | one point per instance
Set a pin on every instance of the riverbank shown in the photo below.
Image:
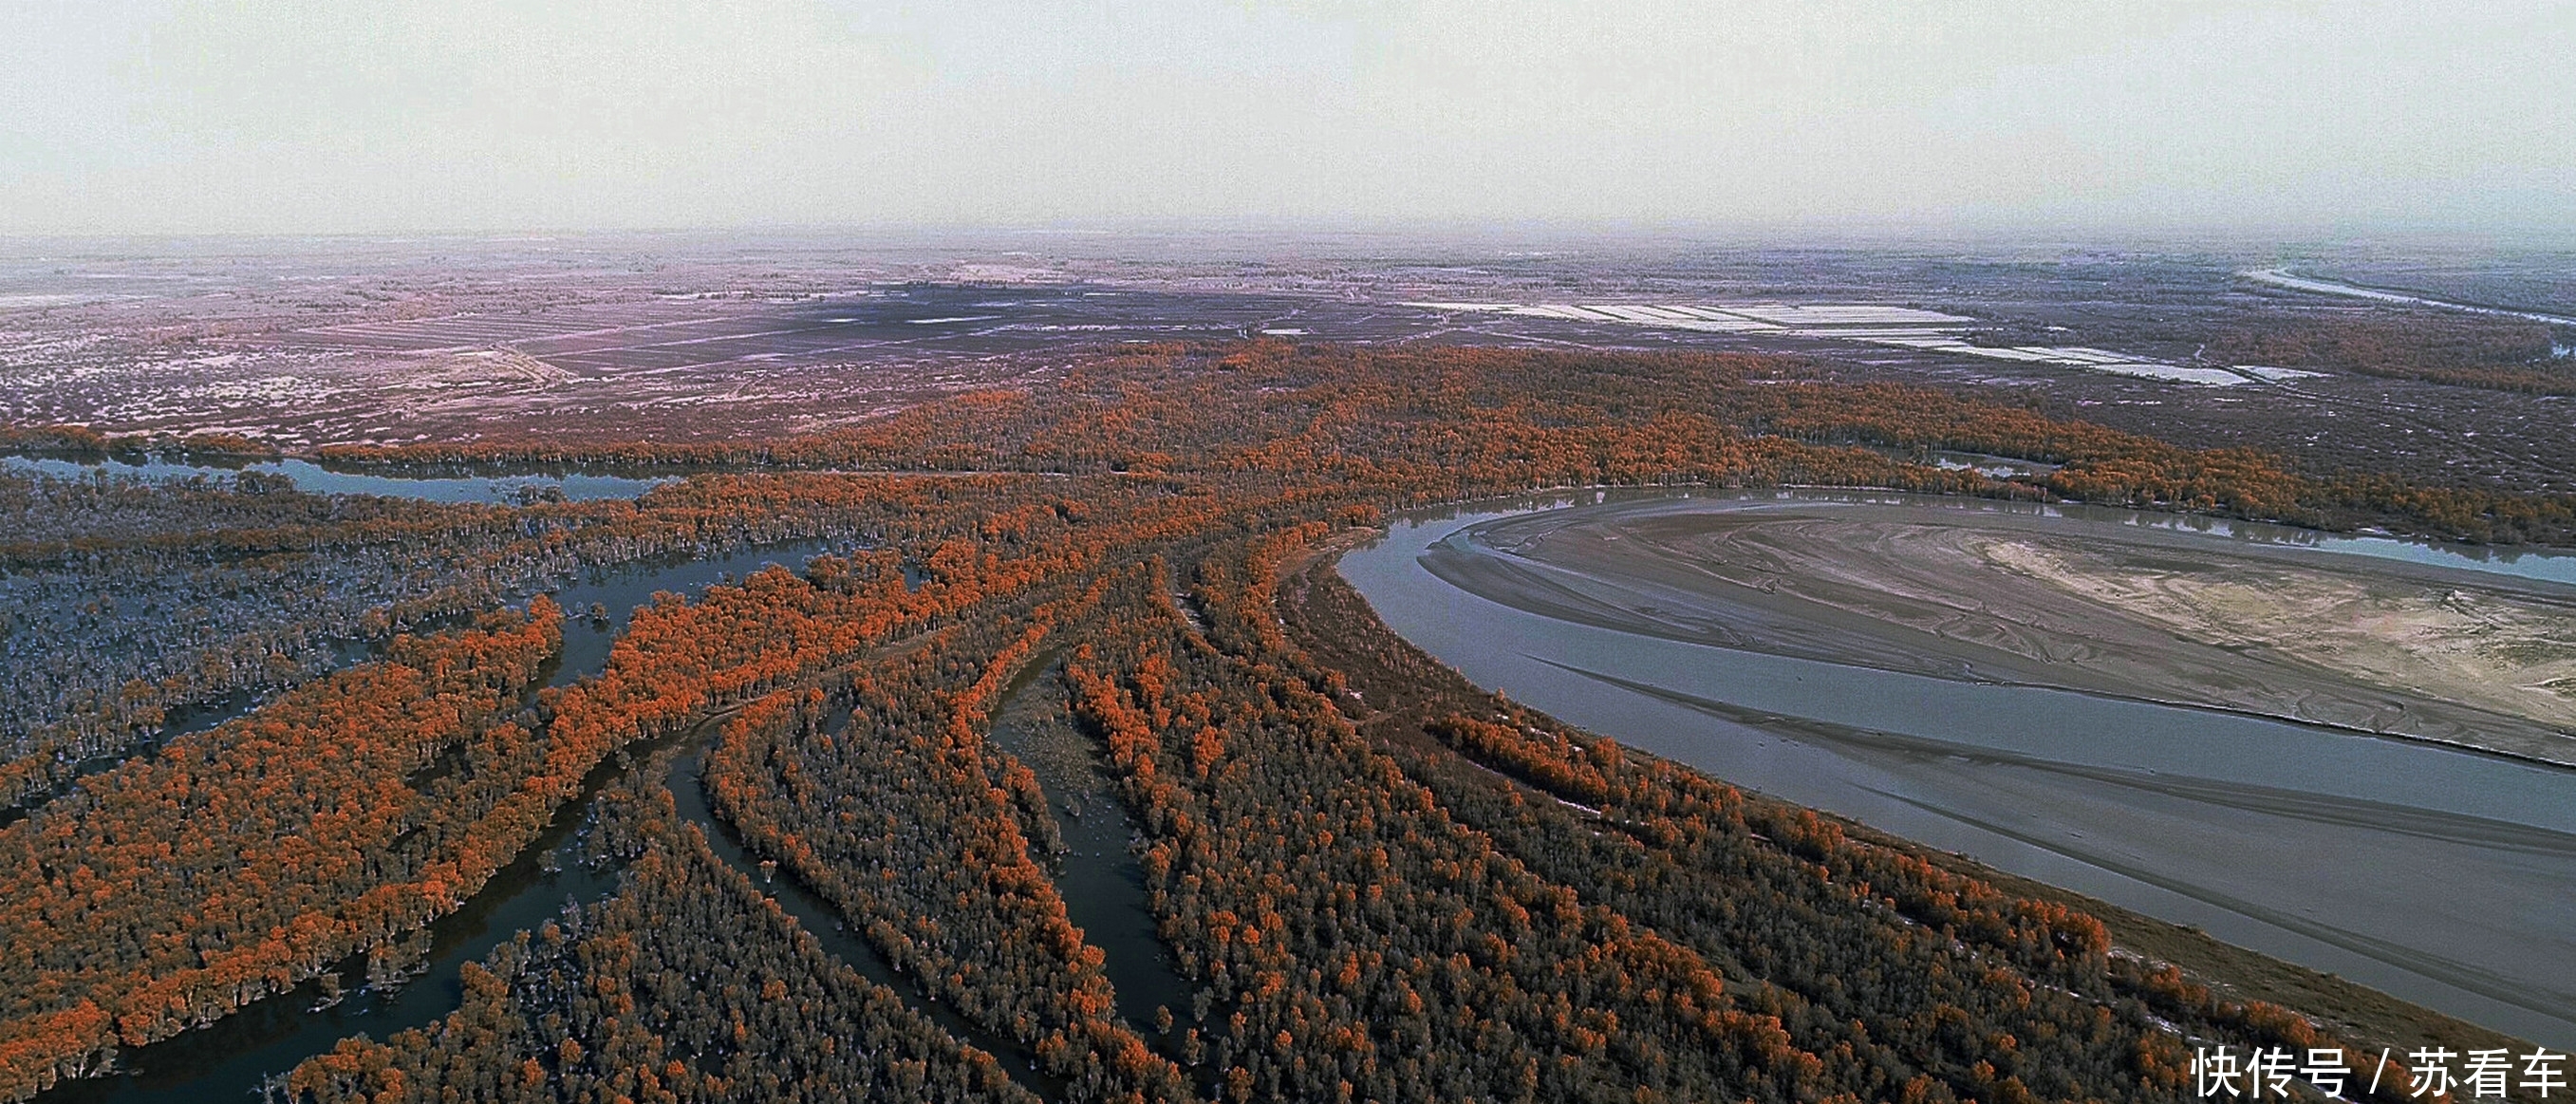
(1396, 689)
(2470, 658)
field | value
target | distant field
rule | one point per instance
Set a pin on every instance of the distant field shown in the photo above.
(612, 339)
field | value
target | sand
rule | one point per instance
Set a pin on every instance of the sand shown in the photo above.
(2382, 646)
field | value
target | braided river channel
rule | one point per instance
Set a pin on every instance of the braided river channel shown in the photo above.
(2438, 866)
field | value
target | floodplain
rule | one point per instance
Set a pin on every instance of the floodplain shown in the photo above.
(2480, 658)
(1779, 641)
(1051, 780)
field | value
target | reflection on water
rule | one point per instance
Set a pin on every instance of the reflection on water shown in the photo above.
(820, 919)
(2445, 877)
(1099, 876)
(226, 1060)
(308, 476)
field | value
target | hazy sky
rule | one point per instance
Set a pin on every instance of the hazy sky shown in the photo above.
(132, 116)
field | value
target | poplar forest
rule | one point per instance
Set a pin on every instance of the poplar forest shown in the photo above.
(1082, 623)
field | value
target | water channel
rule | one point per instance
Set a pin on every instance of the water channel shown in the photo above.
(2443, 876)
(1102, 883)
(1099, 875)
(500, 487)
(230, 1058)
(822, 921)
(227, 1059)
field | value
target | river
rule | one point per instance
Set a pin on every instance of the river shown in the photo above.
(2442, 876)
(228, 1059)
(507, 487)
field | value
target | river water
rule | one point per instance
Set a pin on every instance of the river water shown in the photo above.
(2442, 876)
(2445, 877)
(316, 479)
(226, 1060)
(229, 1059)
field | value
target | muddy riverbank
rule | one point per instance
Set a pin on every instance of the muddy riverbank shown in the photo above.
(2444, 652)
(2442, 876)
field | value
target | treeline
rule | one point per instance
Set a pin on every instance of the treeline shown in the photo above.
(1473, 904)
(1876, 957)
(1430, 424)
(239, 861)
(1910, 981)
(687, 986)
(2115, 468)
(2493, 354)
(82, 441)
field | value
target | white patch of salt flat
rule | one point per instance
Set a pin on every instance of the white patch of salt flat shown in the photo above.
(1868, 333)
(1900, 327)
(1643, 312)
(2173, 373)
(1731, 325)
(1577, 313)
(1839, 315)
(2277, 375)
(2077, 354)
(2010, 354)
(1628, 313)
(1949, 343)
(1007, 273)
(1711, 314)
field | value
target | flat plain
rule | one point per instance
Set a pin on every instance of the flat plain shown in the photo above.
(2371, 645)
(683, 337)
(784, 667)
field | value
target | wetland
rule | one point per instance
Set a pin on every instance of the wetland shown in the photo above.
(2105, 754)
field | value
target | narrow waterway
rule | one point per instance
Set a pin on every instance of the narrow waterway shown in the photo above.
(227, 1059)
(500, 487)
(1099, 876)
(688, 793)
(613, 592)
(2442, 876)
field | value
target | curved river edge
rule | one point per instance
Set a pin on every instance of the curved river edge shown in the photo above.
(2443, 877)
(1486, 558)
(2285, 278)
(822, 921)
(229, 1058)
(1100, 878)
(497, 486)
